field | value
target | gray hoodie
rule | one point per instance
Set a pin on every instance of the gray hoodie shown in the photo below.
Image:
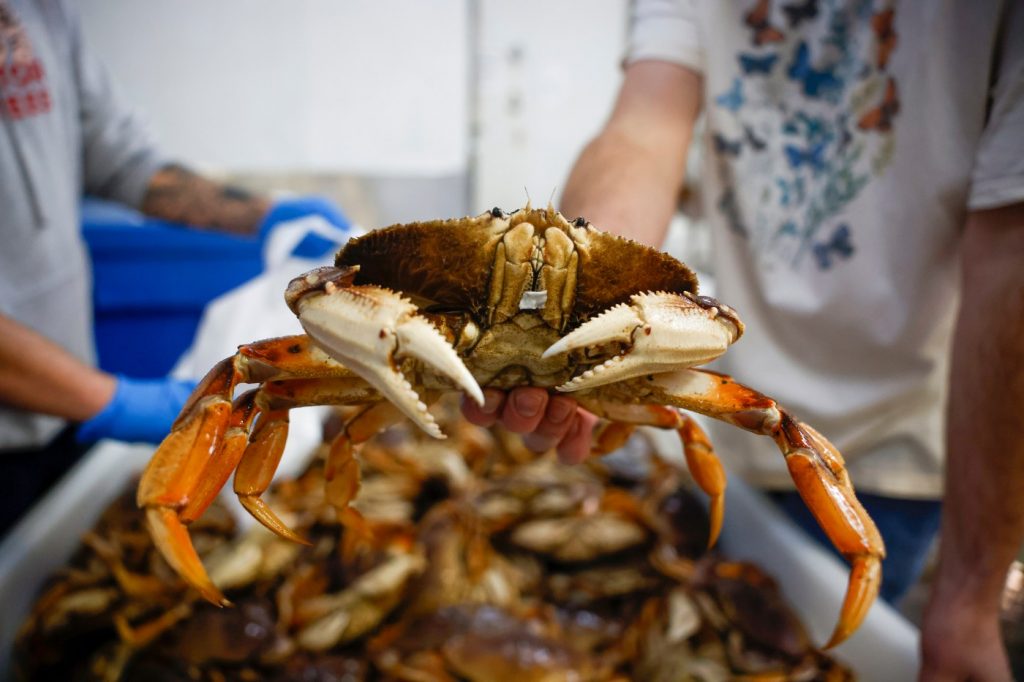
(63, 131)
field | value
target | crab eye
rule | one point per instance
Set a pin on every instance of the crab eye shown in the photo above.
(497, 212)
(580, 222)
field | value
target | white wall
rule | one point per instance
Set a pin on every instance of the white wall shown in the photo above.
(548, 72)
(353, 86)
(380, 88)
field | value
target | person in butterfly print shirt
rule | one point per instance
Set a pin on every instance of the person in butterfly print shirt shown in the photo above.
(859, 329)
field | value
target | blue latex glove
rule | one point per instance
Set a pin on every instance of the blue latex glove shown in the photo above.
(313, 245)
(142, 410)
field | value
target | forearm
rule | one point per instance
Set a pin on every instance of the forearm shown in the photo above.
(983, 516)
(39, 376)
(628, 179)
(179, 195)
(620, 187)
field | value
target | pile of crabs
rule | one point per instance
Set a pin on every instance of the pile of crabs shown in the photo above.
(473, 559)
(407, 557)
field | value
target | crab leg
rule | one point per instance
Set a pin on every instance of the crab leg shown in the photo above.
(609, 436)
(217, 469)
(198, 434)
(256, 471)
(701, 460)
(168, 527)
(211, 435)
(341, 472)
(815, 465)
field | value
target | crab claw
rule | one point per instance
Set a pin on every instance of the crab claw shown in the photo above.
(661, 332)
(616, 324)
(419, 339)
(370, 330)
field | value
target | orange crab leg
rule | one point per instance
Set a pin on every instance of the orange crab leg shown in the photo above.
(815, 465)
(171, 537)
(256, 471)
(217, 469)
(609, 436)
(267, 441)
(831, 499)
(341, 472)
(701, 459)
(195, 436)
(211, 436)
(706, 469)
(198, 433)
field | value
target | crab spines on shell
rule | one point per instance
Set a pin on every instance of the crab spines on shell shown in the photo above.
(661, 332)
(371, 330)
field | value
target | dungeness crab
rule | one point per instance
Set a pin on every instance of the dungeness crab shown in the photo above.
(500, 300)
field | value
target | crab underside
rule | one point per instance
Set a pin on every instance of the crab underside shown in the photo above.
(410, 312)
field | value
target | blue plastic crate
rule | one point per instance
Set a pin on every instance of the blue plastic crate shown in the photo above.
(151, 281)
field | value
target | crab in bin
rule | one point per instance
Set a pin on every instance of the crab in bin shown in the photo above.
(410, 312)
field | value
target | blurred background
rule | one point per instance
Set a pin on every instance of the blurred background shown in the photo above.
(397, 111)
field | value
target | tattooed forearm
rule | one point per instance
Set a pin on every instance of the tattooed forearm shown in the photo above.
(179, 195)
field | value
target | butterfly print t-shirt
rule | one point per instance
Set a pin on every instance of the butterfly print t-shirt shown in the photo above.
(845, 142)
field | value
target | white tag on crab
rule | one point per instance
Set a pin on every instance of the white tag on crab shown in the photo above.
(533, 300)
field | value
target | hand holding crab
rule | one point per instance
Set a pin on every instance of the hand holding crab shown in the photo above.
(546, 421)
(497, 301)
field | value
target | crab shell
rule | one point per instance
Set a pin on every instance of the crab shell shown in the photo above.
(410, 312)
(569, 272)
(504, 289)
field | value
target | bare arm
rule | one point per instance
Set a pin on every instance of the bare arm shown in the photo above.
(626, 181)
(179, 195)
(983, 513)
(38, 375)
(628, 178)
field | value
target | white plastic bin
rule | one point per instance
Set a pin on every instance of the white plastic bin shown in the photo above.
(883, 650)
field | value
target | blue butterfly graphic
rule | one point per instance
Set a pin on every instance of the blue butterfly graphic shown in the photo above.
(837, 247)
(787, 228)
(733, 99)
(812, 156)
(815, 126)
(754, 64)
(792, 193)
(816, 83)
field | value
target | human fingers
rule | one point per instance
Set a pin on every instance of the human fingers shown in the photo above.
(486, 414)
(555, 423)
(524, 409)
(575, 446)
